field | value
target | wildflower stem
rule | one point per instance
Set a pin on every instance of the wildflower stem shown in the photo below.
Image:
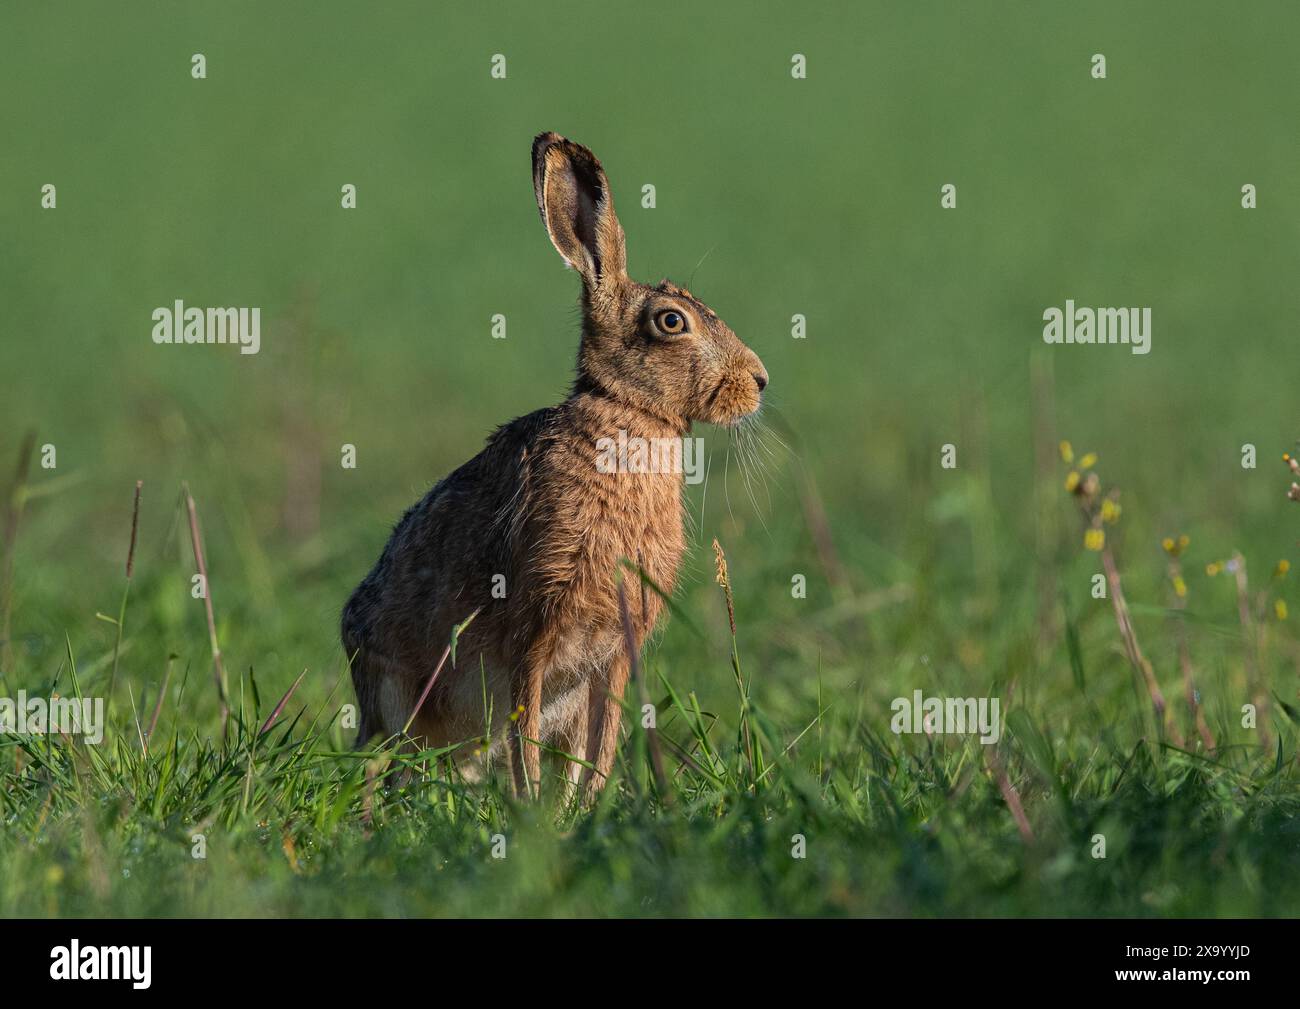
(1134, 651)
(1250, 637)
(1185, 653)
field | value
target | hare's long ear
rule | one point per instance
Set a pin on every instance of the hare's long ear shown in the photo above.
(578, 209)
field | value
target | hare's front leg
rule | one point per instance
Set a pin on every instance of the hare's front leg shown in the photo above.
(604, 713)
(526, 755)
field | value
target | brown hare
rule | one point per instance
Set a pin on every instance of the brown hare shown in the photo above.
(536, 515)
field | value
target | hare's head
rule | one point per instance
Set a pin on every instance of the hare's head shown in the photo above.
(657, 348)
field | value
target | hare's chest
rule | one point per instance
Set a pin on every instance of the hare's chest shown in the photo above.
(640, 524)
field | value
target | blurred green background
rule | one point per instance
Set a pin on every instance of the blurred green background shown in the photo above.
(775, 196)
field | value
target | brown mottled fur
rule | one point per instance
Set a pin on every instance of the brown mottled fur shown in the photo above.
(534, 507)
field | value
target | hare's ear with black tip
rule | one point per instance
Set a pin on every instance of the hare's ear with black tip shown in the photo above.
(578, 209)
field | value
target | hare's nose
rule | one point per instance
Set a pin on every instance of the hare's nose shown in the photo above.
(760, 379)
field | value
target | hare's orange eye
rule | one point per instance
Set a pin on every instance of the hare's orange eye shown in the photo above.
(671, 322)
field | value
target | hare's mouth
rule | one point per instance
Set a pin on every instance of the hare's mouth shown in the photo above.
(729, 402)
(713, 396)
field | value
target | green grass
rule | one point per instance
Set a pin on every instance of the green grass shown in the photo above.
(295, 823)
(775, 197)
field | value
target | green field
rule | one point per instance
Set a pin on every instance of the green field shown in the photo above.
(775, 197)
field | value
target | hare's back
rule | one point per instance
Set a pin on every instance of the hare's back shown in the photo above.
(443, 552)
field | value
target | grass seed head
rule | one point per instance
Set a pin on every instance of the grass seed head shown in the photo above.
(723, 580)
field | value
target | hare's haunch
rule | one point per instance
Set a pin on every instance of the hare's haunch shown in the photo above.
(532, 531)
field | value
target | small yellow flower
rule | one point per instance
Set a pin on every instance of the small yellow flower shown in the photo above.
(1213, 568)
(1279, 608)
(517, 713)
(1072, 481)
(1110, 510)
(1067, 452)
(1183, 542)
(1088, 461)
(1283, 566)
(1180, 587)
(1168, 544)
(1094, 539)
